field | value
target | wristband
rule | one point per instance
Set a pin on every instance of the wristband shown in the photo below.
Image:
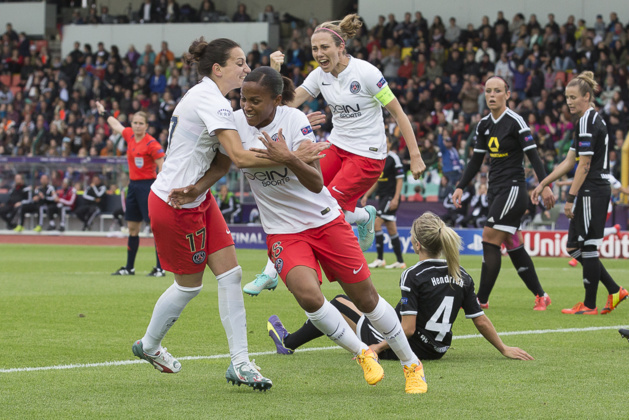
(570, 198)
(105, 114)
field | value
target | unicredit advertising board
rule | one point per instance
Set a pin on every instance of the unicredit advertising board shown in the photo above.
(537, 243)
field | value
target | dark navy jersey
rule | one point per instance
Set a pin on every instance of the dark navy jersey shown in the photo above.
(393, 170)
(505, 139)
(591, 139)
(435, 297)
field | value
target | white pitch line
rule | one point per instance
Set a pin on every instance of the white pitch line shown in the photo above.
(266, 353)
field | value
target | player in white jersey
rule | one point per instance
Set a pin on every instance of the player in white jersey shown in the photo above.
(355, 91)
(305, 229)
(201, 123)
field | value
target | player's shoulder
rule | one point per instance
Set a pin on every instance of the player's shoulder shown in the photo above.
(516, 119)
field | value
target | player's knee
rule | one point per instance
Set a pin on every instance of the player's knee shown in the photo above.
(310, 302)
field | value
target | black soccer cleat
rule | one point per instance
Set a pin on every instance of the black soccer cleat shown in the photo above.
(624, 333)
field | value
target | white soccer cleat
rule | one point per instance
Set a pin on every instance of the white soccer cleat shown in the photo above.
(396, 264)
(162, 361)
(378, 263)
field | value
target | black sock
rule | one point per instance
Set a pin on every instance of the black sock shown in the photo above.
(380, 244)
(157, 260)
(607, 280)
(489, 271)
(591, 275)
(397, 247)
(309, 332)
(526, 270)
(133, 243)
(306, 333)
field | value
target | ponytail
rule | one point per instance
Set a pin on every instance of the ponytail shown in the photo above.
(436, 238)
(586, 84)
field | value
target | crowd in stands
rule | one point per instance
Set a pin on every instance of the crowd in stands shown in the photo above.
(437, 70)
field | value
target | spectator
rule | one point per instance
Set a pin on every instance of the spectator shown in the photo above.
(93, 202)
(17, 194)
(148, 12)
(229, 205)
(241, 14)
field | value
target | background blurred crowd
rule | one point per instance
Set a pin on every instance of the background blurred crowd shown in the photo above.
(436, 69)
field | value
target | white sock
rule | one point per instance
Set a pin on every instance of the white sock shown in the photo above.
(231, 308)
(167, 310)
(269, 270)
(609, 231)
(330, 322)
(359, 215)
(385, 320)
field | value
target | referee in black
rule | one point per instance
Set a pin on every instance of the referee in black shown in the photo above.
(506, 137)
(586, 205)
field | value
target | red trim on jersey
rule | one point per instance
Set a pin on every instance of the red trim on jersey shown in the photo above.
(142, 155)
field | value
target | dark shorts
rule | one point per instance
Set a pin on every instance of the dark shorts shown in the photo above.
(137, 201)
(384, 211)
(507, 205)
(369, 335)
(588, 224)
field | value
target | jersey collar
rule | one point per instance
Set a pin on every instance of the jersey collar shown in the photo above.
(500, 117)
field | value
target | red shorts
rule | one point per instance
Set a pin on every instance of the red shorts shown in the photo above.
(184, 238)
(334, 246)
(349, 176)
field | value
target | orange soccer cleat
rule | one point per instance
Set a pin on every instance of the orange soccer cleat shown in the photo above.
(614, 300)
(580, 309)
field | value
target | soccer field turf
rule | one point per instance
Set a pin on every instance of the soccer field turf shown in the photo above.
(64, 318)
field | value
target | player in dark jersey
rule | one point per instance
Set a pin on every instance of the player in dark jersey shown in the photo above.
(433, 290)
(388, 189)
(506, 137)
(145, 157)
(589, 194)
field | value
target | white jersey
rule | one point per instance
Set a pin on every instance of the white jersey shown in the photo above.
(285, 205)
(192, 143)
(356, 101)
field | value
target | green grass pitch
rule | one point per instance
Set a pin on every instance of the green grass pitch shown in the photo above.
(59, 306)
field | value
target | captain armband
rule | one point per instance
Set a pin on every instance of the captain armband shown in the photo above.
(385, 96)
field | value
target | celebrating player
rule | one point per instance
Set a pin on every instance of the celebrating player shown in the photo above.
(305, 229)
(432, 290)
(145, 157)
(588, 196)
(201, 123)
(506, 137)
(355, 91)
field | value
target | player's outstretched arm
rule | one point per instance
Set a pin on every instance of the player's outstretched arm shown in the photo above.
(486, 328)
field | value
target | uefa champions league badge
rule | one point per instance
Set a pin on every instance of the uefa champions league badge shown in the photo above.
(354, 87)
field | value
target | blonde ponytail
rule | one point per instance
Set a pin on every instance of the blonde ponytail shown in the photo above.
(437, 238)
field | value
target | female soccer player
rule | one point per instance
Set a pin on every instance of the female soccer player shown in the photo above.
(188, 239)
(355, 91)
(306, 230)
(433, 290)
(145, 157)
(506, 137)
(588, 196)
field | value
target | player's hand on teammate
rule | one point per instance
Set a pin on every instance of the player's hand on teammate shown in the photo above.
(316, 119)
(276, 150)
(180, 196)
(516, 353)
(309, 152)
(456, 198)
(277, 59)
(417, 167)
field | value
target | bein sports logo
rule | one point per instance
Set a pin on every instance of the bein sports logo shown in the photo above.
(270, 177)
